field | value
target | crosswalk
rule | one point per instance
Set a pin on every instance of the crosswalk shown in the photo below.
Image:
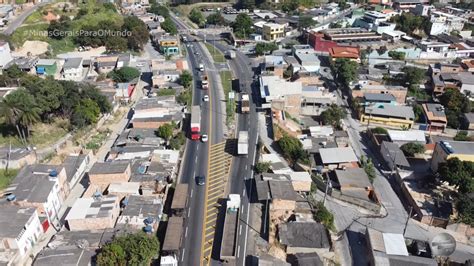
(218, 174)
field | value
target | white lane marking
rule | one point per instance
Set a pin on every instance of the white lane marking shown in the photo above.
(238, 251)
(186, 233)
(246, 166)
(240, 231)
(243, 192)
(182, 256)
(242, 210)
(189, 212)
(191, 194)
(196, 160)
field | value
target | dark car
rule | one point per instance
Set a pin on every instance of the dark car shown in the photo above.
(200, 180)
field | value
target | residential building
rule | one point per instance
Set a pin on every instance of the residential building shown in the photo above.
(393, 155)
(342, 138)
(354, 185)
(422, 10)
(170, 75)
(350, 35)
(281, 196)
(469, 121)
(75, 167)
(124, 91)
(399, 92)
(72, 69)
(308, 59)
(282, 94)
(333, 158)
(46, 67)
(106, 64)
(408, 4)
(156, 111)
(401, 137)
(277, 165)
(388, 115)
(352, 53)
(301, 181)
(273, 65)
(273, 31)
(102, 174)
(98, 212)
(141, 212)
(379, 98)
(26, 64)
(20, 230)
(5, 55)
(15, 158)
(304, 237)
(437, 50)
(123, 189)
(371, 20)
(445, 150)
(169, 45)
(445, 23)
(435, 116)
(43, 187)
(7, 12)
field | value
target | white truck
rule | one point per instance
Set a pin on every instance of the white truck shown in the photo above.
(243, 143)
(245, 103)
(201, 67)
(230, 54)
(229, 235)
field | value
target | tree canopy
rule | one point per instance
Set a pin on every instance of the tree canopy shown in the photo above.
(265, 48)
(397, 55)
(465, 207)
(410, 23)
(185, 79)
(458, 173)
(412, 148)
(455, 103)
(124, 74)
(165, 131)
(197, 17)
(292, 149)
(346, 70)
(413, 75)
(333, 115)
(306, 22)
(169, 26)
(131, 249)
(216, 19)
(262, 167)
(242, 25)
(159, 10)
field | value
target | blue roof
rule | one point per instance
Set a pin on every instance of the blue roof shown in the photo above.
(40, 70)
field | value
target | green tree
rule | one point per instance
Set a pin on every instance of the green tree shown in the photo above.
(159, 10)
(57, 28)
(462, 136)
(263, 48)
(324, 216)
(333, 115)
(131, 249)
(47, 93)
(116, 44)
(413, 75)
(346, 70)
(368, 168)
(382, 50)
(262, 167)
(419, 113)
(465, 208)
(85, 113)
(242, 25)
(455, 103)
(178, 141)
(216, 19)
(458, 173)
(292, 149)
(19, 109)
(197, 17)
(410, 23)
(379, 130)
(185, 79)
(306, 22)
(290, 5)
(138, 32)
(412, 148)
(165, 131)
(169, 26)
(247, 4)
(124, 74)
(397, 55)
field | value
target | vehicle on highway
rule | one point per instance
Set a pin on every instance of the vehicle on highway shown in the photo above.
(195, 122)
(200, 180)
(204, 82)
(230, 54)
(243, 143)
(231, 222)
(205, 98)
(245, 103)
(204, 138)
(201, 67)
(140, 64)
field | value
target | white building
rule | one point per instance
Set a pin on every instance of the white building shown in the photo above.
(72, 69)
(20, 229)
(5, 55)
(445, 23)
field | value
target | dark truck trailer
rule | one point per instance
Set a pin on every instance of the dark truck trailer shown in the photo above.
(180, 198)
(229, 234)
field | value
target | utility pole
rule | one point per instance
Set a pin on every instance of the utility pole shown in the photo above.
(408, 219)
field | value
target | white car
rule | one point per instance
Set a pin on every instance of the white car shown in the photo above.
(205, 98)
(204, 138)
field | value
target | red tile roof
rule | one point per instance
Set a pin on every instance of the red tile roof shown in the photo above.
(344, 52)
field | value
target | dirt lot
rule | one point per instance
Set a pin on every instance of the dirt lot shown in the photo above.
(32, 47)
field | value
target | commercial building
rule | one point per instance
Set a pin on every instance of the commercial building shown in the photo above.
(401, 137)
(281, 94)
(350, 35)
(389, 115)
(273, 31)
(20, 230)
(98, 212)
(445, 150)
(435, 116)
(169, 45)
(399, 92)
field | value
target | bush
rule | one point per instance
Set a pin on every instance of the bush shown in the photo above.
(124, 74)
(292, 149)
(262, 167)
(324, 216)
(412, 148)
(379, 130)
(397, 55)
(131, 249)
(462, 136)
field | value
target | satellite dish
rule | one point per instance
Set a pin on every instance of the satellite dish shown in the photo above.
(443, 244)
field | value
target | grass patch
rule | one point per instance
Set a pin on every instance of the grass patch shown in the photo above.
(226, 79)
(166, 92)
(216, 54)
(41, 135)
(97, 140)
(6, 177)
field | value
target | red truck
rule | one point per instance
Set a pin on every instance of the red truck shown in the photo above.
(204, 82)
(195, 122)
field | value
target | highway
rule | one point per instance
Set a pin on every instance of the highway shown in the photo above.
(196, 158)
(15, 23)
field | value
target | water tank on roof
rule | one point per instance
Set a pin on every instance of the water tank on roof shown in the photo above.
(149, 220)
(53, 173)
(125, 202)
(148, 229)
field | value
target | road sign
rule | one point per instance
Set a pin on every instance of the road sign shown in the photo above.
(231, 95)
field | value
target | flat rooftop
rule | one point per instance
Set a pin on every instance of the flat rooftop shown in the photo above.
(13, 219)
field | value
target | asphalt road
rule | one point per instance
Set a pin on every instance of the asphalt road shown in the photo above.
(19, 20)
(196, 157)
